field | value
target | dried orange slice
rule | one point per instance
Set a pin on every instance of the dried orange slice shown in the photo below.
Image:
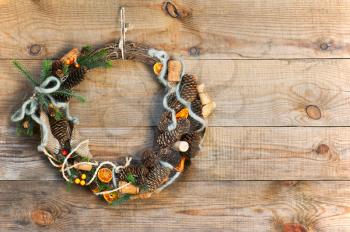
(182, 113)
(110, 197)
(181, 165)
(157, 68)
(104, 175)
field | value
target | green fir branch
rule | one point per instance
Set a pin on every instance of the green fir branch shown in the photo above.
(65, 70)
(102, 186)
(87, 49)
(25, 73)
(46, 69)
(131, 178)
(20, 130)
(58, 115)
(95, 59)
(43, 101)
(69, 184)
(121, 200)
(70, 93)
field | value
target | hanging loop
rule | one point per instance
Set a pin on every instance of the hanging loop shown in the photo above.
(123, 30)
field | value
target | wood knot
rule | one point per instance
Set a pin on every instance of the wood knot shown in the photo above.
(176, 10)
(324, 46)
(289, 183)
(42, 217)
(35, 49)
(194, 51)
(322, 149)
(294, 227)
(313, 112)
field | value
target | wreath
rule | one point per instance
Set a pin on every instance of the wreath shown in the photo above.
(179, 132)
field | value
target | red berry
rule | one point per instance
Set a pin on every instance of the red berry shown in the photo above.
(64, 152)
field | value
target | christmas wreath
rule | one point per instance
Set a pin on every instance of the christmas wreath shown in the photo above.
(179, 132)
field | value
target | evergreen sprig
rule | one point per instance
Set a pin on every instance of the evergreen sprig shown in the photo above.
(46, 68)
(25, 73)
(95, 59)
(20, 130)
(121, 200)
(69, 93)
(131, 178)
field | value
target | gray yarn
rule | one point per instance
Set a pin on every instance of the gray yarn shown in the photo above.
(30, 106)
(186, 103)
(173, 124)
(164, 57)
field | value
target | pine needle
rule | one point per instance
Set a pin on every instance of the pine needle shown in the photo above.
(43, 101)
(69, 93)
(121, 200)
(58, 115)
(131, 178)
(95, 59)
(46, 68)
(25, 72)
(69, 184)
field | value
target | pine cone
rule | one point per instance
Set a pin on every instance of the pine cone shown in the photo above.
(76, 75)
(61, 130)
(193, 139)
(196, 107)
(168, 138)
(149, 158)
(61, 98)
(57, 65)
(156, 177)
(170, 156)
(188, 87)
(173, 103)
(139, 172)
(165, 121)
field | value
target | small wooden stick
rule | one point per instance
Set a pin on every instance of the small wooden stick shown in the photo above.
(84, 167)
(181, 146)
(208, 109)
(205, 99)
(129, 189)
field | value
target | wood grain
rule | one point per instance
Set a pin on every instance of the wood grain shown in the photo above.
(247, 93)
(276, 155)
(271, 206)
(250, 29)
(229, 153)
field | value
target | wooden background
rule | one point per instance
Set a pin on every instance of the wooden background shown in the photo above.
(276, 156)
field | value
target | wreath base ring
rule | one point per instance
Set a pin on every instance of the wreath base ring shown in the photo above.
(179, 132)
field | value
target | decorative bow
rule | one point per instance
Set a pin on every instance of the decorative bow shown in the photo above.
(30, 106)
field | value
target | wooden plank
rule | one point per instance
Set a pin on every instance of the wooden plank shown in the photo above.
(250, 29)
(242, 153)
(193, 206)
(247, 93)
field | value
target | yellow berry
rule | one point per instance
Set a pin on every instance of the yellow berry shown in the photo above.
(82, 182)
(83, 176)
(77, 180)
